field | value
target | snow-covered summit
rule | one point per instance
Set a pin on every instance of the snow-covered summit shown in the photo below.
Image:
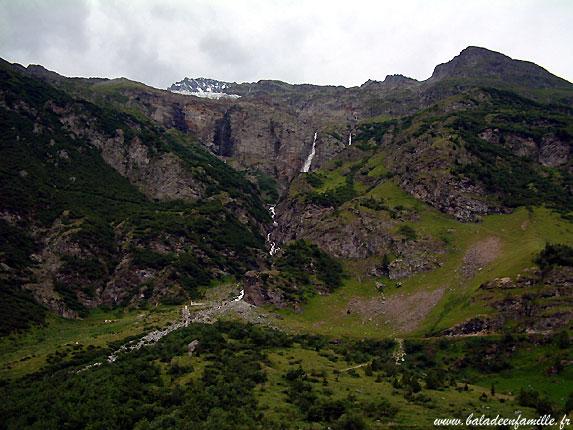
(202, 87)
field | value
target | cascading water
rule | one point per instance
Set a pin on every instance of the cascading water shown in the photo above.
(274, 248)
(273, 214)
(349, 138)
(306, 165)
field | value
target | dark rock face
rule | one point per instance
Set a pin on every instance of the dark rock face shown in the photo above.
(260, 296)
(222, 137)
(476, 326)
(258, 293)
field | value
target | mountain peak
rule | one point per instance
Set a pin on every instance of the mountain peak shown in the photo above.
(478, 63)
(398, 80)
(202, 87)
(390, 80)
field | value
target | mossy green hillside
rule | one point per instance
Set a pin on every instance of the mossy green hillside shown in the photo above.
(244, 376)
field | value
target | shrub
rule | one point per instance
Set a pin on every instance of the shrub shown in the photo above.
(554, 255)
(408, 232)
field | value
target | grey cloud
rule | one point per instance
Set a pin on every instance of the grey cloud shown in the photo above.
(319, 41)
(224, 50)
(33, 26)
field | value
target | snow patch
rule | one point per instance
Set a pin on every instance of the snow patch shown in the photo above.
(202, 87)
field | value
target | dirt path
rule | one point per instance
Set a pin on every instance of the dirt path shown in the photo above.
(354, 367)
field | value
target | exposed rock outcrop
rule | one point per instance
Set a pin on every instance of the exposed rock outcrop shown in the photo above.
(549, 151)
(520, 306)
(158, 175)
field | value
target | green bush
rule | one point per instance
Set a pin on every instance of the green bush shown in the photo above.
(315, 180)
(554, 255)
(301, 259)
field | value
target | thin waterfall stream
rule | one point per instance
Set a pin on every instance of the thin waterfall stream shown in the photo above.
(307, 163)
(274, 247)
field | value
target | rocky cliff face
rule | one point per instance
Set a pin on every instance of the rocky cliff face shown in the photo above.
(158, 175)
(549, 150)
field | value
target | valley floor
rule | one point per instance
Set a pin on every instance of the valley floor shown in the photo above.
(293, 380)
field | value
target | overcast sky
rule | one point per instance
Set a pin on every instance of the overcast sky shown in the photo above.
(312, 41)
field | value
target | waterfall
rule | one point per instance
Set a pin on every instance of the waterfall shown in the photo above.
(273, 214)
(274, 248)
(306, 166)
(240, 296)
(350, 139)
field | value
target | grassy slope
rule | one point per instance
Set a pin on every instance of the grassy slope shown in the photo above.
(446, 402)
(522, 234)
(25, 353)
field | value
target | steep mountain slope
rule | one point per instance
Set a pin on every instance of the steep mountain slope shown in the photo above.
(111, 209)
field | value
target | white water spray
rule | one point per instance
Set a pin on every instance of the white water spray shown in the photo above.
(240, 296)
(306, 166)
(273, 214)
(349, 138)
(274, 248)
